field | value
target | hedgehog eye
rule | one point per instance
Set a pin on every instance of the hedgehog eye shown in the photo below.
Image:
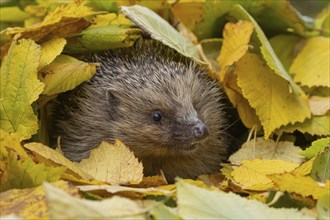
(156, 116)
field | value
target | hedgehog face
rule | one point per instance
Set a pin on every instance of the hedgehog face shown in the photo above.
(170, 116)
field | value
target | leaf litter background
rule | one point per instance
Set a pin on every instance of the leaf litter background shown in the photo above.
(272, 62)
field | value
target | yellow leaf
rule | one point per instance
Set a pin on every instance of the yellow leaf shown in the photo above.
(113, 163)
(246, 112)
(317, 125)
(10, 141)
(19, 88)
(13, 14)
(269, 94)
(235, 44)
(25, 173)
(254, 172)
(303, 185)
(110, 19)
(267, 150)
(312, 65)
(64, 206)
(30, 203)
(319, 105)
(304, 168)
(65, 73)
(50, 50)
(55, 158)
(62, 21)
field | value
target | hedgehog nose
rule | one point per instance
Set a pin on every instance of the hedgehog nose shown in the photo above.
(200, 131)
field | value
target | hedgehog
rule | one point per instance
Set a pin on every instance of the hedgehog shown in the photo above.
(160, 104)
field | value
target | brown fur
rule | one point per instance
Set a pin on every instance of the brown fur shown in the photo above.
(118, 103)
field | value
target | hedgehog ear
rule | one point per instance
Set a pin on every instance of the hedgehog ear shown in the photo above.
(112, 98)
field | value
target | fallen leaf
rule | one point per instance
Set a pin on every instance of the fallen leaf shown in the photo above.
(303, 185)
(236, 38)
(319, 105)
(199, 203)
(59, 202)
(267, 150)
(321, 166)
(270, 97)
(113, 163)
(55, 158)
(284, 47)
(19, 88)
(30, 203)
(65, 73)
(160, 30)
(25, 173)
(312, 65)
(255, 172)
(10, 141)
(323, 206)
(62, 21)
(266, 50)
(50, 50)
(317, 147)
(317, 125)
(161, 212)
(304, 168)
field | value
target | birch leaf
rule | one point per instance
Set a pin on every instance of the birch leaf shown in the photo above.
(266, 50)
(10, 141)
(270, 97)
(199, 203)
(323, 206)
(65, 73)
(303, 185)
(235, 44)
(317, 147)
(267, 150)
(50, 50)
(24, 174)
(160, 30)
(59, 202)
(113, 163)
(53, 157)
(321, 166)
(19, 88)
(62, 21)
(255, 172)
(30, 203)
(319, 105)
(312, 65)
(317, 125)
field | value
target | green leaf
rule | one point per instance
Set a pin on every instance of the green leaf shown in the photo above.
(13, 14)
(160, 30)
(323, 206)
(266, 50)
(317, 147)
(102, 38)
(24, 174)
(65, 73)
(199, 203)
(283, 46)
(19, 88)
(321, 166)
(163, 212)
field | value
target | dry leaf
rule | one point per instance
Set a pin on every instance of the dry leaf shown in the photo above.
(255, 172)
(267, 150)
(113, 163)
(30, 203)
(303, 185)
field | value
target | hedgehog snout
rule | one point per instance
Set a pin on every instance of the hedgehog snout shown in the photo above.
(200, 131)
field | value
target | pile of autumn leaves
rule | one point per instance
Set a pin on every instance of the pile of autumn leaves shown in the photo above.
(279, 85)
